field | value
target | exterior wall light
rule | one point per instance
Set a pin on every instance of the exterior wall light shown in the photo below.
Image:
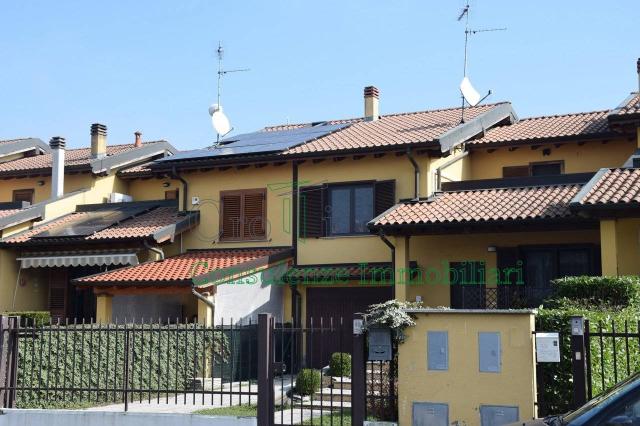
(166, 184)
(491, 249)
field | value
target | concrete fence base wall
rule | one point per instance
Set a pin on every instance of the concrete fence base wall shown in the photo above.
(95, 418)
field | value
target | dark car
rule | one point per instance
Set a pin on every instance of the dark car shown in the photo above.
(616, 407)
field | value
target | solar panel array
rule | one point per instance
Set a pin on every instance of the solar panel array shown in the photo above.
(260, 142)
(91, 222)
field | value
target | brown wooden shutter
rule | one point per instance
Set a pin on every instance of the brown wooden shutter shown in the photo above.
(58, 293)
(385, 195)
(231, 216)
(311, 218)
(515, 171)
(254, 217)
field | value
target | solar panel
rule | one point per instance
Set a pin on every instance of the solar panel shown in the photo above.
(91, 222)
(260, 142)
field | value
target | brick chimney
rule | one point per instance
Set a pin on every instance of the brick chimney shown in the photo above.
(138, 142)
(98, 140)
(371, 103)
(57, 145)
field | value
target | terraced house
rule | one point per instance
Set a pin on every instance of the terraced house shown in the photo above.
(473, 208)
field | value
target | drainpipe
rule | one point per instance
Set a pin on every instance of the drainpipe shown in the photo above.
(444, 165)
(295, 294)
(185, 187)
(206, 301)
(154, 249)
(416, 168)
(393, 251)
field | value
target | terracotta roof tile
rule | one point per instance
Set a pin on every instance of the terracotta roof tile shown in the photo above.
(548, 127)
(73, 158)
(183, 267)
(144, 225)
(391, 130)
(484, 205)
(616, 186)
(8, 212)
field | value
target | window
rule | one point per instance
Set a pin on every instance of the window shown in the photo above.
(171, 195)
(350, 208)
(23, 195)
(547, 168)
(243, 215)
(543, 168)
(467, 281)
(343, 208)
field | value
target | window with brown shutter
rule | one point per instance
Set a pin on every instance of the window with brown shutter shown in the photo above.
(342, 208)
(243, 215)
(23, 195)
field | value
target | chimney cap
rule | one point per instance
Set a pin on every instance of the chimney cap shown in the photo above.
(57, 142)
(98, 129)
(638, 65)
(138, 142)
(371, 91)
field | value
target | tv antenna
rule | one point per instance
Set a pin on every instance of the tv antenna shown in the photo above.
(219, 120)
(468, 93)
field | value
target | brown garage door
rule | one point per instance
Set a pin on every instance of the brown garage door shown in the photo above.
(337, 303)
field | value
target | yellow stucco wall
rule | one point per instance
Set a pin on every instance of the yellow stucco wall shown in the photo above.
(620, 250)
(435, 252)
(577, 158)
(463, 387)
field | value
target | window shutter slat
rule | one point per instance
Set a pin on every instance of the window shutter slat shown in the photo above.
(231, 216)
(385, 195)
(311, 209)
(254, 217)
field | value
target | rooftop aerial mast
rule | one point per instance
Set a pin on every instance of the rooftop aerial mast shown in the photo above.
(469, 95)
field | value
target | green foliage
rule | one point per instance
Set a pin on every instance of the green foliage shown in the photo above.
(391, 314)
(587, 291)
(580, 296)
(89, 357)
(30, 318)
(308, 381)
(340, 364)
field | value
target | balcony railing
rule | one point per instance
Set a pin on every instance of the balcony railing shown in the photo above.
(501, 297)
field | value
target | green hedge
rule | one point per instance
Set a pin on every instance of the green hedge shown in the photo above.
(598, 291)
(30, 318)
(167, 357)
(340, 364)
(308, 381)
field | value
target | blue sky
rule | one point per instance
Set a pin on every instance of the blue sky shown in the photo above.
(150, 65)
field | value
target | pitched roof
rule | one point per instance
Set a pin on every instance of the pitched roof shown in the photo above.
(612, 187)
(392, 130)
(182, 269)
(629, 107)
(483, 206)
(158, 221)
(583, 124)
(75, 159)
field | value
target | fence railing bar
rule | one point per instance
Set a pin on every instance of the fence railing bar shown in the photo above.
(125, 382)
(587, 337)
(615, 357)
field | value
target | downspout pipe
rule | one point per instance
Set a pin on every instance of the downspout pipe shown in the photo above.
(393, 252)
(154, 249)
(416, 169)
(204, 300)
(185, 187)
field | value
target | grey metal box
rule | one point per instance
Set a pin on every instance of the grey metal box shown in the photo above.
(379, 344)
(430, 414)
(489, 352)
(437, 350)
(497, 415)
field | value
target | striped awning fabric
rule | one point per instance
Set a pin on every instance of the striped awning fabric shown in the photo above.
(88, 259)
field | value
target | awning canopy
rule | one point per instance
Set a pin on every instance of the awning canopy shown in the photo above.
(87, 259)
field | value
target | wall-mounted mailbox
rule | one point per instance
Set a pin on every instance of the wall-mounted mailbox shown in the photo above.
(430, 414)
(489, 352)
(437, 350)
(496, 415)
(380, 344)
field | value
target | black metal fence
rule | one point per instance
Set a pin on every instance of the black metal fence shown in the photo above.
(79, 365)
(612, 353)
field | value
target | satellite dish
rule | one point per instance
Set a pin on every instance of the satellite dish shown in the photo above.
(470, 94)
(219, 120)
